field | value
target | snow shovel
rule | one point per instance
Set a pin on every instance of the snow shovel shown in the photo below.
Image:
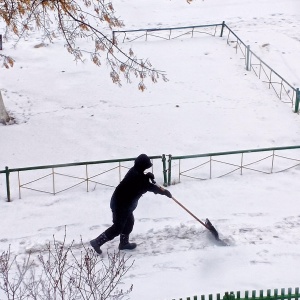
(207, 223)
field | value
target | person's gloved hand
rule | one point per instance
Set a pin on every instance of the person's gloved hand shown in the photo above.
(168, 194)
(150, 176)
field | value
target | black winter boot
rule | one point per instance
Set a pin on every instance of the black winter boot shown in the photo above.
(98, 242)
(124, 242)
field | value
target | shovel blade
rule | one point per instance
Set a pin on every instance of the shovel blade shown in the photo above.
(212, 229)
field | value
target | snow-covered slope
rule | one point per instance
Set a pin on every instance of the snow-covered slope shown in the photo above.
(70, 112)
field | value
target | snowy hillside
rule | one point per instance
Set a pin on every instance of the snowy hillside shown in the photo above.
(68, 112)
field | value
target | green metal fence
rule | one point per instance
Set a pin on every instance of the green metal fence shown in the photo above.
(85, 176)
(174, 169)
(169, 33)
(277, 294)
(283, 89)
(220, 164)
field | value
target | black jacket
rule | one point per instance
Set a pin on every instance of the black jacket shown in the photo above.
(133, 186)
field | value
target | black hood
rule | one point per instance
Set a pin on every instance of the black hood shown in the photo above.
(142, 162)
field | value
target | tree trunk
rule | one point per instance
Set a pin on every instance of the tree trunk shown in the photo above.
(4, 117)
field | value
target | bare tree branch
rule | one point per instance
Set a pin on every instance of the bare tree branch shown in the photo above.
(77, 20)
(62, 273)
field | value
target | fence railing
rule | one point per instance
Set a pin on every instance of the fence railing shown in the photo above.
(192, 167)
(283, 89)
(277, 294)
(220, 164)
(46, 177)
(166, 33)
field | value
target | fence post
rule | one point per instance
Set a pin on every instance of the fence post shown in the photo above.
(169, 169)
(210, 167)
(248, 58)
(273, 156)
(7, 184)
(19, 181)
(53, 181)
(164, 170)
(223, 25)
(0, 41)
(297, 100)
(242, 159)
(229, 296)
(87, 177)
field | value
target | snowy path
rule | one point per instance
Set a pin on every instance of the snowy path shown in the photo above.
(261, 224)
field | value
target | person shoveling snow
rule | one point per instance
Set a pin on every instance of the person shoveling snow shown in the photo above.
(125, 200)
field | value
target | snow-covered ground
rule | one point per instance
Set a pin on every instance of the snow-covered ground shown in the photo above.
(68, 112)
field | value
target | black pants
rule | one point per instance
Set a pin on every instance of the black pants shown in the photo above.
(123, 222)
